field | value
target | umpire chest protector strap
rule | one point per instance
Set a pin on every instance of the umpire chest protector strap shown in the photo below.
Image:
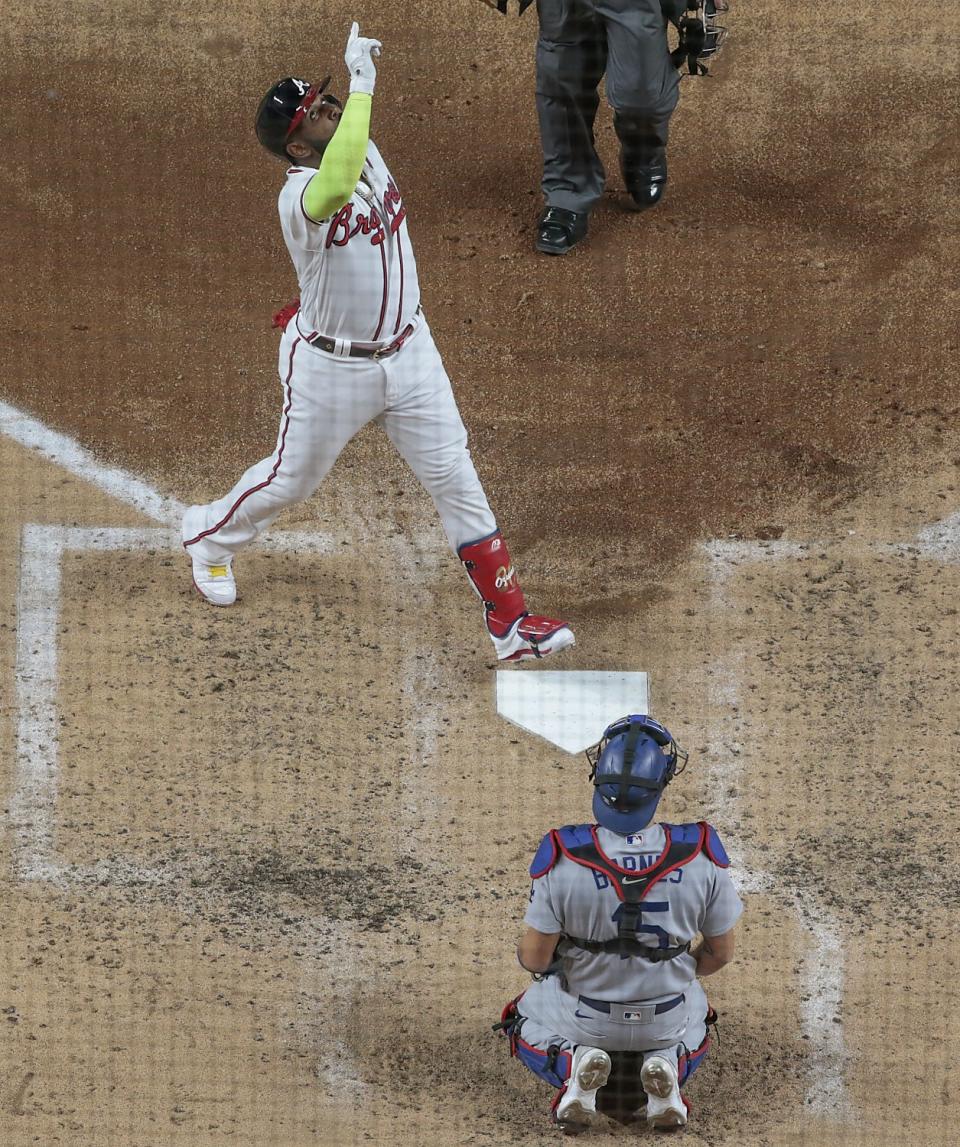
(579, 844)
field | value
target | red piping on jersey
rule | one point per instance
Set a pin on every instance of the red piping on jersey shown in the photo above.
(375, 214)
(303, 210)
(276, 466)
(400, 304)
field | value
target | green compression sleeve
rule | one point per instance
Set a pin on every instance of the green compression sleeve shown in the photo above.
(342, 160)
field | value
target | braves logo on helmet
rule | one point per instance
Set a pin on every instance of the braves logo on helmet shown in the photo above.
(282, 109)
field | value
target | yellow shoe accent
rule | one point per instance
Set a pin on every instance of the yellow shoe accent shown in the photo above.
(218, 571)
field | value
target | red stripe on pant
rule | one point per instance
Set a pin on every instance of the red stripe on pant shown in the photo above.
(276, 466)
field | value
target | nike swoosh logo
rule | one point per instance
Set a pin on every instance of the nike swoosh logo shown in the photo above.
(633, 880)
(583, 1017)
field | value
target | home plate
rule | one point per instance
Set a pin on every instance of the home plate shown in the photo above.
(569, 709)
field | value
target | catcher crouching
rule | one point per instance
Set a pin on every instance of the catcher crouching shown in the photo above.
(616, 1019)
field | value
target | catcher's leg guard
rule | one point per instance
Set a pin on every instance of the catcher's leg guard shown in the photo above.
(516, 634)
(689, 1061)
(550, 1063)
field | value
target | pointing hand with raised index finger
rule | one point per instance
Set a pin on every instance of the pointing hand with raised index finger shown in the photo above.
(359, 60)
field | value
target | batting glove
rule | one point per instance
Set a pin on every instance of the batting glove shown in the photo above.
(359, 60)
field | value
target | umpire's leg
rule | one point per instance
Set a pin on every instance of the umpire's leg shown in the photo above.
(571, 57)
(642, 87)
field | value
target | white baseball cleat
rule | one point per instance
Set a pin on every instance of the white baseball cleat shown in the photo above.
(665, 1106)
(213, 581)
(216, 583)
(589, 1071)
(533, 636)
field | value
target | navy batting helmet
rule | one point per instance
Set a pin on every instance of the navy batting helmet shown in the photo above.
(282, 109)
(630, 767)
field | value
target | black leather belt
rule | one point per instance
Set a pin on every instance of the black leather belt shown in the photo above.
(604, 1005)
(364, 350)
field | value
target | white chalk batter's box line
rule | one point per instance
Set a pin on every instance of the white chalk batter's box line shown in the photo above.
(33, 802)
(822, 961)
(32, 812)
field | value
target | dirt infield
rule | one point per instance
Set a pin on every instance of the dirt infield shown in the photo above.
(263, 868)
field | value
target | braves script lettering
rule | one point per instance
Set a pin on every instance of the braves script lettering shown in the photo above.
(393, 206)
(345, 225)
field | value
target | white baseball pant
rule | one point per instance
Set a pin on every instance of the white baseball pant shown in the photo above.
(327, 399)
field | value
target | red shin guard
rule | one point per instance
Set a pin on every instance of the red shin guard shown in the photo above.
(490, 569)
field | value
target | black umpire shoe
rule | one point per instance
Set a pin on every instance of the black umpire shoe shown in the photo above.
(559, 230)
(646, 182)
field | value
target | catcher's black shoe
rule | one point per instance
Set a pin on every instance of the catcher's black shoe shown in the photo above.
(559, 230)
(646, 182)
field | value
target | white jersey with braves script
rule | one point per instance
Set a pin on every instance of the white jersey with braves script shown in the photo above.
(699, 897)
(356, 269)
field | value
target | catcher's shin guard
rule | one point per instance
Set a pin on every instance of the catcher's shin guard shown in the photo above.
(516, 634)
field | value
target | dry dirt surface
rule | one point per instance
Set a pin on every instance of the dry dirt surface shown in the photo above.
(263, 868)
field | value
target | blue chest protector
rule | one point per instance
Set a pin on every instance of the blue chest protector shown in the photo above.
(579, 843)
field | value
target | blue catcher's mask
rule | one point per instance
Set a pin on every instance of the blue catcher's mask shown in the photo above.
(630, 767)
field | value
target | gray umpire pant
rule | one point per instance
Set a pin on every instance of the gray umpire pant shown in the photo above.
(579, 41)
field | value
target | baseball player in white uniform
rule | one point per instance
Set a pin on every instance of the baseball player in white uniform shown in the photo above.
(616, 1010)
(357, 348)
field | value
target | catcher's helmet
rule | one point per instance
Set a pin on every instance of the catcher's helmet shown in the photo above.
(630, 767)
(282, 109)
